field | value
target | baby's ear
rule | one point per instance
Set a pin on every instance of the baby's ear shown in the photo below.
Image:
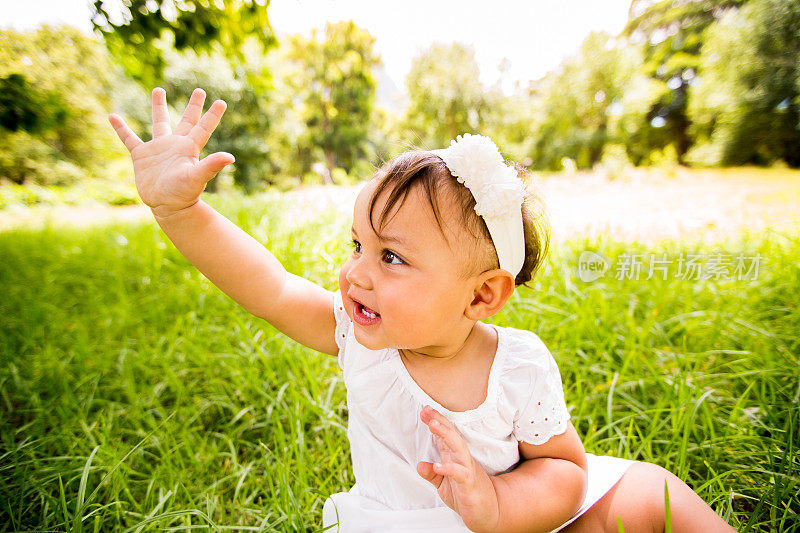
(491, 293)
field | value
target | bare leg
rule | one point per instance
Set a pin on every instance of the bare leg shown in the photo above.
(638, 499)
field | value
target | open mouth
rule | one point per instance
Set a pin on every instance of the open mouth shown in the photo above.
(364, 315)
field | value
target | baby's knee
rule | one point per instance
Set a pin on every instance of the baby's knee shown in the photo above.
(636, 501)
(645, 484)
(650, 485)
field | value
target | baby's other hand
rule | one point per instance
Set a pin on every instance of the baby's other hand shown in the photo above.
(460, 480)
(168, 174)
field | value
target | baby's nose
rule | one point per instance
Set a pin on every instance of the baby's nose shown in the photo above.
(358, 275)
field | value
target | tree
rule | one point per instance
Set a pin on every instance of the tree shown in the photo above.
(71, 81)
(446, 97)
(149, 27)
(577, 109)
(337, 91)
(746, 104)
(24, 107)
(674, 33)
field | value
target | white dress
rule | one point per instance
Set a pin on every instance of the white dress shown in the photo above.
(524, 402)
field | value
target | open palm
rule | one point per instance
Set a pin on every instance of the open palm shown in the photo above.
(167, 170)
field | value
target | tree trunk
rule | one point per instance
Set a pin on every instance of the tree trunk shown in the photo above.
(330, 162)
(330, 157)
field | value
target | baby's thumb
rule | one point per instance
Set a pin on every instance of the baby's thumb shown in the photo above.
(425, 470)
(209, 166)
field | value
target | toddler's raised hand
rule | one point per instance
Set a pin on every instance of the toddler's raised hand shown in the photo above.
(462, 483)
(169, 177)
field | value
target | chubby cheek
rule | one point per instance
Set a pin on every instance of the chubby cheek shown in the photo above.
(404, 306)
(427, 311)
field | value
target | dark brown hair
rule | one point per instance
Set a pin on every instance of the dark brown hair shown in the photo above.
(422, 168)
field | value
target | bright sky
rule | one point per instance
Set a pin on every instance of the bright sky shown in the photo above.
(534, 35)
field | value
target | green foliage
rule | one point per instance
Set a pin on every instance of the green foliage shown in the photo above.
(337, 91)
(744, 91)
(28, 158)
(289, 141)
(744, 96)
(746, 106)
(446, 97)
(673, 32)
(74, 81)
(631, 122)
(705, 82)
(22, 107)
(583, 105)
(279, 105)
(64, 188)
(150, 27)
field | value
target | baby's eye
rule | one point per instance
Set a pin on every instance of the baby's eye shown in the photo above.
(391, 258)
(356, 246)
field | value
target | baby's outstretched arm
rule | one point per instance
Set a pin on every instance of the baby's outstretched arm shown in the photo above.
(170, 177)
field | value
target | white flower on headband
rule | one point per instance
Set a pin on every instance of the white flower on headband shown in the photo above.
(476, 162)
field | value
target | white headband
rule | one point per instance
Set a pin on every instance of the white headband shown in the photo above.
(475, 161)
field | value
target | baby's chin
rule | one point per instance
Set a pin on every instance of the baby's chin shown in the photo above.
(369, 343)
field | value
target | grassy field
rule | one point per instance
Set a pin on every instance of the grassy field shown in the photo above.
(135, 396)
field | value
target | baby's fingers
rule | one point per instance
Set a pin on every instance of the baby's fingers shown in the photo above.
(192, 113)
(208, 123)
(452, 439)
(125, 134)
(446, 431)
(161, 124)
(209, 166)
(427, 472)
(458, 473)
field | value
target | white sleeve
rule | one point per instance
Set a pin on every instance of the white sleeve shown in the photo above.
(342, 326)
(542, 413)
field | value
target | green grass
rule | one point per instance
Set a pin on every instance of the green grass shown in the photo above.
(135, 396)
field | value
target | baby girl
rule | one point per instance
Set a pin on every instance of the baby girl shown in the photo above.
(454, 424)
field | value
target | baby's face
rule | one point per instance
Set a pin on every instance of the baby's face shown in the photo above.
(404, 288)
